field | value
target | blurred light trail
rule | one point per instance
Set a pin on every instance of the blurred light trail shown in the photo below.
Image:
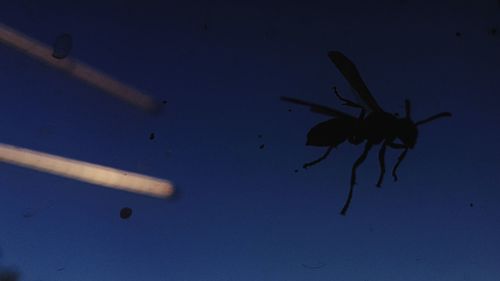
(77, 69)
(87, 172)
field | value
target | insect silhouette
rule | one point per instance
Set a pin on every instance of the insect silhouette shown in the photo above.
(373, 126)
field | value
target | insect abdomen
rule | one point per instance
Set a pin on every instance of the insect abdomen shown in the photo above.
(330, 133)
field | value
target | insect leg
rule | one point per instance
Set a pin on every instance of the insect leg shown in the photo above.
(400, 159)
(358, 162)
(381, 159)
(323, 157)
(396, 145)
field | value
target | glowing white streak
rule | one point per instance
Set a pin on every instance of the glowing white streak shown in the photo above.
(87, 172)
(77, 69)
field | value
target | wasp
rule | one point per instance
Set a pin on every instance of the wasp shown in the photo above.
(373, 125)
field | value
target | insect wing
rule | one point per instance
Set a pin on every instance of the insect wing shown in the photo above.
(319, 108)
(351, 74)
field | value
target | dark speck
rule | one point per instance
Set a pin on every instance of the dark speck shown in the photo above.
(471, 205)
(458, 34)
(261, 146)
(295, 171)
(259, 136)
(205, 27)
(125, 213)
(28, 213)
(315, 266)
(62, 46)
(493, 31)
(289, 110)
(60, 268)
(152, 136)
(268, 35)
(164, 102)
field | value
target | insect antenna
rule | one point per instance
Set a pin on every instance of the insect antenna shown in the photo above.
(408, 109)
(346, 101)
(433, 117)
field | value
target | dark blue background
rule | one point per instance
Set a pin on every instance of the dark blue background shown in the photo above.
(243, 213)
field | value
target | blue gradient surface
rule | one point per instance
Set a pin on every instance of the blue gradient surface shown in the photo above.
(243, 213)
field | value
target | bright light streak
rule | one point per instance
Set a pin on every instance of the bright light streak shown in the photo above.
(87, 172)
(77, 69)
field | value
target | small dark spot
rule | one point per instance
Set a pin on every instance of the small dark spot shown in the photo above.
(259, 136)
(289, 110)
(62, 46)
(458, 34)
(295, 171)
(29, 213)
(261, 146)
(205, 27)
(125, 213)
(269, 35)
(315, 266)
(471, 205)
(164, 102)
(60, 268)
(152, 136)
(493, 31)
